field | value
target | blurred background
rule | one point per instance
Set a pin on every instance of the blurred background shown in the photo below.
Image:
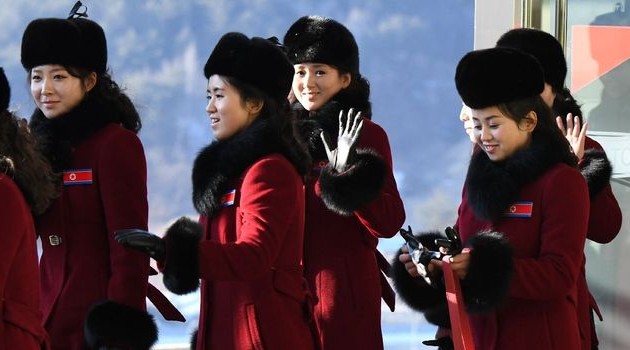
(408, 52)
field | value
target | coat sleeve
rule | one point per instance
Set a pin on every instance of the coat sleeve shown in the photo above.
(271, 199)
(123, 186)
(368, 189)
(554, 272)
(605, 214)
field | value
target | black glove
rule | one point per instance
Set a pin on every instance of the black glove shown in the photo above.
(143, 241)
(453, 244)
(444, 343)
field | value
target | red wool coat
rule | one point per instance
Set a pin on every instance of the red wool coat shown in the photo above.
(105, 190)
(603, 226)
(540, 310)
(253, 295)
(21, 326)
(340, 256)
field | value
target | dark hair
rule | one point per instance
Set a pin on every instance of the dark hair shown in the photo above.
(281, 119)
(357, 93)
(564, 103)
(20, 159)
(110, 94)
(546, 127)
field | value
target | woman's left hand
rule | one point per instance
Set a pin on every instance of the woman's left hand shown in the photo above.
(459, 263)
(575, 134)
(341, 157)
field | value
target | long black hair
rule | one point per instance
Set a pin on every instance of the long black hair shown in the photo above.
(565, 103)
(109, 93)
(21, 160)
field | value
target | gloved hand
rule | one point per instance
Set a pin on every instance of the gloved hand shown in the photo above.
(452, 245)
(143, 241)
(420, 255)
(342, 156)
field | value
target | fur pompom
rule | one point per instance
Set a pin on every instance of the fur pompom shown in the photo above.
(193, 339)
(110, 325)
(181, 271)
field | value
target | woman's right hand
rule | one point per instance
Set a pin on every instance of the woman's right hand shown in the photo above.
(342, 156)
(405, 258)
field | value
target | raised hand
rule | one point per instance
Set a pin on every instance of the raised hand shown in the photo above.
(342, 156)
(575, 134)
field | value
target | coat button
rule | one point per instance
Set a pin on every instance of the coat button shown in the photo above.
(54, 240)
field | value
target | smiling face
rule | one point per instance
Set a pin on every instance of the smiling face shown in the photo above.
(57, 92)
(228, 113)
(500, 136)
(314, 84)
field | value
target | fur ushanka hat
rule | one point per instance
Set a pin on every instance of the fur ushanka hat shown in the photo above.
(545, 47)
(322, 40)
(74, 42)
(498, 75)
(256, 61)
(5, 91)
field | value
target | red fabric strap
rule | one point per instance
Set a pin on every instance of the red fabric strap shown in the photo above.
(460, 324)
(164, 306)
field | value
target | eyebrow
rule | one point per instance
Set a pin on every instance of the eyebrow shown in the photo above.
(489, 118)
(312, 65)
(214, 90)
(55, 70)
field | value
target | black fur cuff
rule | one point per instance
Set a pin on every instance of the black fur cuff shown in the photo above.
(596, 169)
(181, 270)
(348, 191)
(111, 325)
(489, 272)
(414, 291)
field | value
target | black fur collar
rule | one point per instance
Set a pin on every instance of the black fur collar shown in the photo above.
(57, 136)
(221, 162)
(310, 126)
(493, 186)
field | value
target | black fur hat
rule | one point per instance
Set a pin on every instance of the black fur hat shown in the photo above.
(322, 40)
(256, 61)
(5, 91)
(498, 75)
(75, 42)
(545, 47)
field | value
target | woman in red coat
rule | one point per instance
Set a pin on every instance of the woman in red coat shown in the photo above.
(248, 188)
(524, 213)
(87, 128)
(351, 196)
(604, 213)
(25, 189)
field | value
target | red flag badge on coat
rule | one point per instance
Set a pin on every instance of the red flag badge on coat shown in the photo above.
(520, 210)
(77, 177)
(228, 198)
